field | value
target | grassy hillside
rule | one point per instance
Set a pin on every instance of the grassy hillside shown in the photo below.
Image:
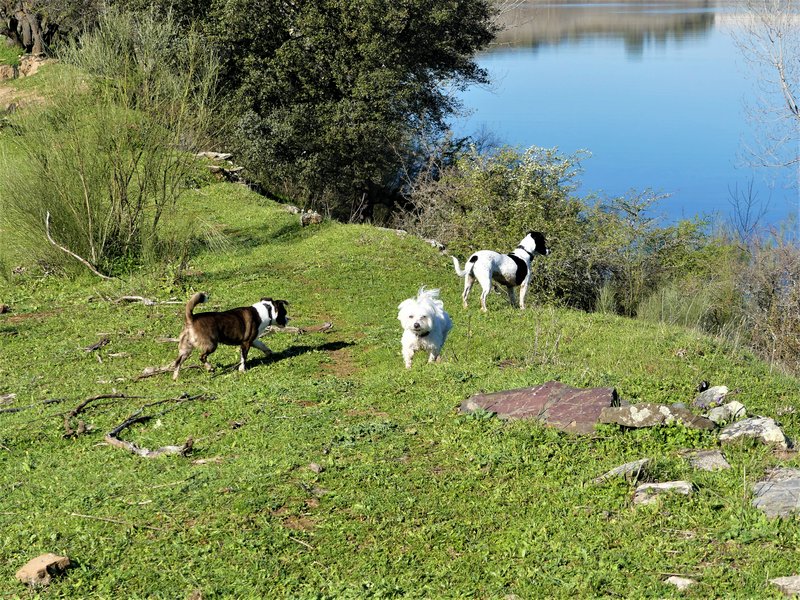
(412, 499)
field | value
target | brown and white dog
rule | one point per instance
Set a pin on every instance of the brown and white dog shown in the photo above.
(236, 327)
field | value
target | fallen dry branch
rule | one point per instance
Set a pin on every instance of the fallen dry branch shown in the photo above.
(97, 345)
(147, 301)
(150, 371)
(327, 326)
(112, 437)
(68, 430)
(15, 409)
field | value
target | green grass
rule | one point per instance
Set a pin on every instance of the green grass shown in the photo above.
(413, 500)
(9, 55)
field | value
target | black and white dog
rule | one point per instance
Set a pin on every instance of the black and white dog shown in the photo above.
(235, 327)
(510, 270)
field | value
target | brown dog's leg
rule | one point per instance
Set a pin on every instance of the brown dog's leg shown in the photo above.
(184, 350)
(244, 349)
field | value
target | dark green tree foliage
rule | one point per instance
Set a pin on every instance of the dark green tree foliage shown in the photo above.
(327, 95)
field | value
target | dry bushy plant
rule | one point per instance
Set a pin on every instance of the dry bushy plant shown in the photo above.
(108, 158)
(770, 287)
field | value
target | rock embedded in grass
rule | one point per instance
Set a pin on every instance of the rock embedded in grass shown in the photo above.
(648, 493)
(41, 570)
(763, 429)
(779, 494)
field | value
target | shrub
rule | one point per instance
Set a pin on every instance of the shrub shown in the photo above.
(111, 154)
(488, 200)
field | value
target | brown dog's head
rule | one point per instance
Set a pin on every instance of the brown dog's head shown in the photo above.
(277, 309)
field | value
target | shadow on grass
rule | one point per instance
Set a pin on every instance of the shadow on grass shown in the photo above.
(283, 355)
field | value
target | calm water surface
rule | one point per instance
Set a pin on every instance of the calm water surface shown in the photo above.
(656, 91)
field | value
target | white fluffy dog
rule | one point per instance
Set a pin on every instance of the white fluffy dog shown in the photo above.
(425, 325)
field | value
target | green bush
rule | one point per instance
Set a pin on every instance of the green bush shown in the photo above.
(489, 200)
(109, 157)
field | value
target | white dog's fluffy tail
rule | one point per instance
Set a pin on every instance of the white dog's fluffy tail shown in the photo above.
(467, 267)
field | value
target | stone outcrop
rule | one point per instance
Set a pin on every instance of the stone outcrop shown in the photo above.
(763, 429)
(779, 494)
(575, 410)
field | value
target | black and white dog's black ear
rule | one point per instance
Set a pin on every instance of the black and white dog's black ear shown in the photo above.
(541, 244)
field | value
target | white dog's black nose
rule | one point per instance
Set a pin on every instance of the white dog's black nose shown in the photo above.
(416, 325)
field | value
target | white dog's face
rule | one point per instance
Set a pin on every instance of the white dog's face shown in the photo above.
(416, 317)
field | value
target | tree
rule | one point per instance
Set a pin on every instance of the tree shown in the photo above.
(771, 43)
(35, 24)
(328, 94)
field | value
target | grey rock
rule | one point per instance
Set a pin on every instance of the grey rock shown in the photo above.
(649, 414)
(779, 494)
(763, 429)
(648, 493)
(790, 586)
(727, 413)
(574, 410)
(713, 396)
(629, 471)
(707, 460)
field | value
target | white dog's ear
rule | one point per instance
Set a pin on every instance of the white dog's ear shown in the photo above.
(405, 304)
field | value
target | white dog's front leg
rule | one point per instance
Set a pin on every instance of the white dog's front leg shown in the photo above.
(261, 346)
(407, 355)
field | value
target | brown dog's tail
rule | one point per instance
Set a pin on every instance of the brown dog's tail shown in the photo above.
(198, 298)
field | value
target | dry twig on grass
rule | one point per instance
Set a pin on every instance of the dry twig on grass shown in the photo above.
(137, 417)
(68, 430)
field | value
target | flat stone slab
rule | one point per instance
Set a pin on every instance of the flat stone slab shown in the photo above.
(779, 494)
(790, 586)
(629, 471)
(727, 413)
(648, 493)
(42, 569)
(763, 429)
(575, 410)
(707, 460)
(650, 414)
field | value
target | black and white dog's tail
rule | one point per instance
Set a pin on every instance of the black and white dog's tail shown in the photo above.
(467, 267)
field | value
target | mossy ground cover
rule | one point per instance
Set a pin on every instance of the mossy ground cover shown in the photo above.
(412, 499)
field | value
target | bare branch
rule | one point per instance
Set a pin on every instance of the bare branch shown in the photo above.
(72, 254)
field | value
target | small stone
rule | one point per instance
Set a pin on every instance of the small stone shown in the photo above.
(707, 460)
(763, 429)
(648, 493)
(42, 569)
(790, 586)
(629, 470)
(317, 468)
(650, 414)
(712, 397)
(727, 413)
(681, 583)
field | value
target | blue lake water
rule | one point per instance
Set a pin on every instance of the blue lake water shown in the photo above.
(658, 93)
